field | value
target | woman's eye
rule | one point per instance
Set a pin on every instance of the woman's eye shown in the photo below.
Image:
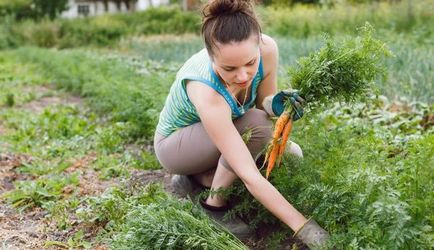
(231, 69)
(252, 62)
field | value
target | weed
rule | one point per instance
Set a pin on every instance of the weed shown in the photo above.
(29, 194)
(10, 100)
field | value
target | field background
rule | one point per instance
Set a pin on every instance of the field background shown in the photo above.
(79, 102)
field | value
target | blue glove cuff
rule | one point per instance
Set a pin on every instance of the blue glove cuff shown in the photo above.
(278, 104)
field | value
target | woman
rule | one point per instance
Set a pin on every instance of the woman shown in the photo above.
(219, 93)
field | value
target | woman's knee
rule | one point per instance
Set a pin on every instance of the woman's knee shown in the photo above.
(261, 122)
(257, 124)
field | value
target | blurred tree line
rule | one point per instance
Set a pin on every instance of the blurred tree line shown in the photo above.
(39, 9)
(321, 2)
(33, 9)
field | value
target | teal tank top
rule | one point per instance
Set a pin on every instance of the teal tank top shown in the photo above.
(179, 111)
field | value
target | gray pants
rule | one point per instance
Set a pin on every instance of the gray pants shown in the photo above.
(190, 150)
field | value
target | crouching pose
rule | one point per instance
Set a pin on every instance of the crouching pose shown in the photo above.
(225, 89)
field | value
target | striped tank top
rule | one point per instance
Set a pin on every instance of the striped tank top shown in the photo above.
(179, 111)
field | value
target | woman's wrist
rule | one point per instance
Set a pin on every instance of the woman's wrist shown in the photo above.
(268, 105)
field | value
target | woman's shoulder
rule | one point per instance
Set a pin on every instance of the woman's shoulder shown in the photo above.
(269, 54)
(268, 47)
(203, 95)
(196, 65)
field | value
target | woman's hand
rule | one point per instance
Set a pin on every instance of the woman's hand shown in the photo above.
(275, 105)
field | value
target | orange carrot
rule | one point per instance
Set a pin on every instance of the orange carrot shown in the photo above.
(272, 159)
(269, 148)
(273, 150)
(280, 125)
(285, 136)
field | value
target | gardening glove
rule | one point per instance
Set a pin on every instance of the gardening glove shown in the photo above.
(275, 105)
(312, 234)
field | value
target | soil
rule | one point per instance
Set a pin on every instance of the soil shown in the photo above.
(18, 230)
(39, 105)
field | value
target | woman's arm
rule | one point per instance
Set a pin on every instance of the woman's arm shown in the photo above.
(215, 116)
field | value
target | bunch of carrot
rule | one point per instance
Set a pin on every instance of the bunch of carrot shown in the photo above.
(281, 132)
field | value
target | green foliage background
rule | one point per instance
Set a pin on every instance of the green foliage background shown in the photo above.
(33, 9)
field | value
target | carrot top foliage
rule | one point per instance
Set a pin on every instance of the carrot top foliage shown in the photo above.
(340, 71)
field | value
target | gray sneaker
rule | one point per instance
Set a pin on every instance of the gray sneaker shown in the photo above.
(184, 186)
(234, 225)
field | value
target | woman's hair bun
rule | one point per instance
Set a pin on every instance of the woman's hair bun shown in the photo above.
(226, 21)
(225, 7)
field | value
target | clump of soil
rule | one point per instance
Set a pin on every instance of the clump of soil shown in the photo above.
(8, 163)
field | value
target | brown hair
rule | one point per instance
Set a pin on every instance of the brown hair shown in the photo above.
(226, 21)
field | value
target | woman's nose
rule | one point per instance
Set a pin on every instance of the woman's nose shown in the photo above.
(242, 76)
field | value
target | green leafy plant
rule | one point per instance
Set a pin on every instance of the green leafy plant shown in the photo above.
(29, 194)
(340, 72)
(336, 72)
(172, 224)
(77, 240)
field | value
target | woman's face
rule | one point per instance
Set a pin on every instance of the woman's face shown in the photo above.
(237, 62)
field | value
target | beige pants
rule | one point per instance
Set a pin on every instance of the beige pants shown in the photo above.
(190, 150)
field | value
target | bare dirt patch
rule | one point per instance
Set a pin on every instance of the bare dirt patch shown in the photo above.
(141, 178)
(39, 105)
(90, 183)
(47, 97)
(8, 163)
(21, 230)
